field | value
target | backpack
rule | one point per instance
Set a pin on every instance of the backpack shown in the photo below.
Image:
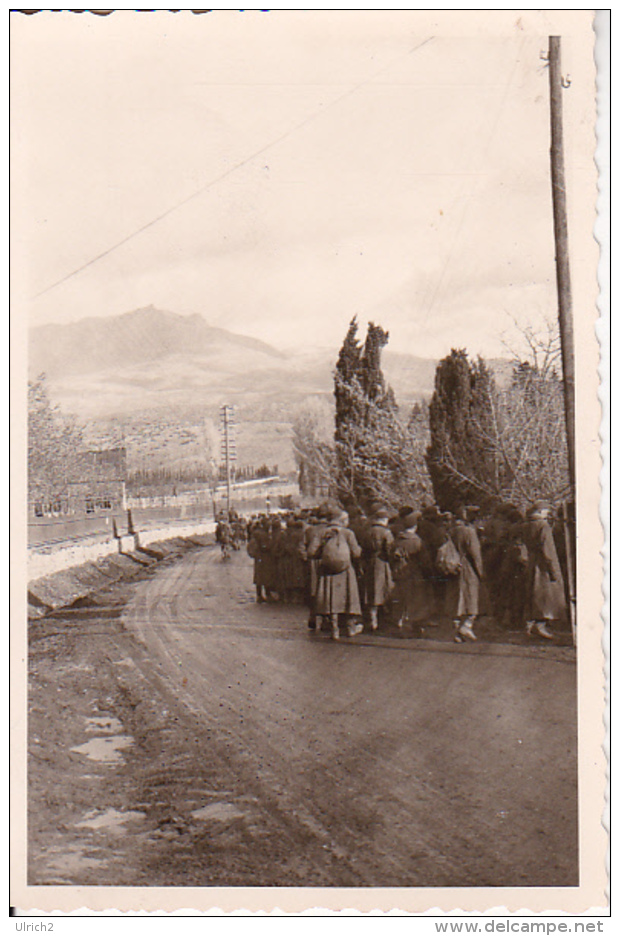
(448, 559)
(335, 556)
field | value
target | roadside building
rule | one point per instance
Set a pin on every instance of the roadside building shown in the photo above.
(92, 483)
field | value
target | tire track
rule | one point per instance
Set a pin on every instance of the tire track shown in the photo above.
(313, 725)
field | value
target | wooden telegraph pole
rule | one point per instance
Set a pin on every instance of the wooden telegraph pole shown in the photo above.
(565, 303)
(562, 269)
(228, 448)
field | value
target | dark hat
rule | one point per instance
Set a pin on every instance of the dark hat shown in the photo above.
(538, 506)
(333, 512)
(410, 519)
(467, 511)
(405, 510)
(380, 513)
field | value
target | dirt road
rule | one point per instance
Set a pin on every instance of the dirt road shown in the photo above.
(255, 753)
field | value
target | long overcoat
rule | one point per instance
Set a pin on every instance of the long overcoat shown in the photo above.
(378, 580)
(434, 532)
(293, 566)
(413, 593)
(258, 547)
(511, 598)
(337, 594)
(466, 540)
(545, 586)
(313, 534)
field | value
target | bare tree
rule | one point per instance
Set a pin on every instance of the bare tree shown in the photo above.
(511, 446)
(54, 445)
(313, 446)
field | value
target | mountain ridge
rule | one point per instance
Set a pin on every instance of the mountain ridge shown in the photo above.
(152, 370)
(145, 334)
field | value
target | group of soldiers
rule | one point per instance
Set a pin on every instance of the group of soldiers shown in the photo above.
(230, 532)
(413, 568)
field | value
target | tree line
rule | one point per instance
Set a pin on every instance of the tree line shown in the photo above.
(56, 450)
(476, 442)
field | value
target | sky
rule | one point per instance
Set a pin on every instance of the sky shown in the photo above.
(304, 168)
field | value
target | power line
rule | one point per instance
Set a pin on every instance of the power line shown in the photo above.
(228, 172)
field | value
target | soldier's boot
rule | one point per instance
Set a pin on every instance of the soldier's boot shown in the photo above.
(543, 630)
(374, 615)
(333, 618)
(465, 630)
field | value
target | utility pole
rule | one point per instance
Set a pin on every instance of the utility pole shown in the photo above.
(562, 269)
(228, 449)
(565, 303)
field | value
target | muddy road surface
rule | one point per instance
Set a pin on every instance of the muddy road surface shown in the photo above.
(181, 734)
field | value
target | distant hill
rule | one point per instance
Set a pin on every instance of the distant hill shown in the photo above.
(162, 376)
(150, 358)
(143, 336)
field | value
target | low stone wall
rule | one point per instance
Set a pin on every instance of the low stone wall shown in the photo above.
(80, 571)
(48, 560)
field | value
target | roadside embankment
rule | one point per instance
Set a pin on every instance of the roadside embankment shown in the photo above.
(61, 576)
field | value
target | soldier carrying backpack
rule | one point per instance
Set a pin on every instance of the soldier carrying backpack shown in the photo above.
(337, 593)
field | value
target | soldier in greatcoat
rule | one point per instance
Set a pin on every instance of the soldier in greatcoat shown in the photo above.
(360, 525)
(466, 541)
(378, 580)
(433, 529)
(411, 566)
(293, 566)
(259, 547)
(337, 595)
(511, 582)
(312, 534)
(275, 557)
(545, 601)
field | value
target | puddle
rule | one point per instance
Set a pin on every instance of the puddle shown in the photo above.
(71, 861)
(218, 812)
(105, 750)
(105, 723)
(111, 820)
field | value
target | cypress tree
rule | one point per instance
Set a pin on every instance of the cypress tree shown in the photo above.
(376, 457)
(460, 456)
(345, 375)
(371, 377)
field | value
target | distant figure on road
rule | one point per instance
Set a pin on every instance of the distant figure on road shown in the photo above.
(239, 527)
(467, 544)
(223, 536)
(337, 594)
(545, 585)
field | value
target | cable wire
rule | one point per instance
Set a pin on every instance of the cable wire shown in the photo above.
(228, 172)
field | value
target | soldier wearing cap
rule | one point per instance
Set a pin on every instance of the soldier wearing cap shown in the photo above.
(545, 600)
(337, 595)
(465, 539)
(411, 566)
(311, 535)
(378, 580)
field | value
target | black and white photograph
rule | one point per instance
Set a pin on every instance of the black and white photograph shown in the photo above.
(306, 527)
